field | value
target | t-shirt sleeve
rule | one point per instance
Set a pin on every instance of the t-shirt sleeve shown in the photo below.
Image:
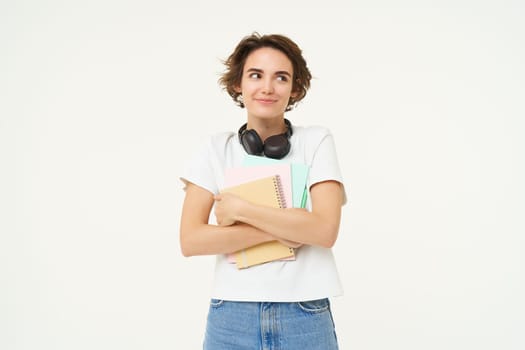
(325, 164)
(199, 168)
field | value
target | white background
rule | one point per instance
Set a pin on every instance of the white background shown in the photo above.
(102, 101)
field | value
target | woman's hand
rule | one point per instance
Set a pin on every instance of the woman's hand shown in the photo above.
(227, 208)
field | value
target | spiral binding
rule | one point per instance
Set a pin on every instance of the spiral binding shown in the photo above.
(281, 198)
(279, 190)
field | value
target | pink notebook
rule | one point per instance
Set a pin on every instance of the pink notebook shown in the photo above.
(237, 175)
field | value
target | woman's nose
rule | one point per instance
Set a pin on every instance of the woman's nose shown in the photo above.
(268, 86)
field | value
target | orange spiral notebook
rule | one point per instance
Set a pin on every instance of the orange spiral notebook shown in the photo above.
(265, 191)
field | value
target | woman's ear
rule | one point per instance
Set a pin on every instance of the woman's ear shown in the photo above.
(295, 89)
(237, 89)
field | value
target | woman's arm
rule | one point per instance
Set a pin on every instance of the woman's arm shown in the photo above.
(318, 227)
(197, 237)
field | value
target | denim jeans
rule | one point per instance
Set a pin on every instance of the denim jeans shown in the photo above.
(304, 325)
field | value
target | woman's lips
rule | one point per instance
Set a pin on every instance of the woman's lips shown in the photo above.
(265, 101)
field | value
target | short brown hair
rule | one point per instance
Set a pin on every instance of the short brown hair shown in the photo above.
(231, 78)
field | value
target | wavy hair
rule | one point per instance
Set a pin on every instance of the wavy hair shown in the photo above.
(232, 77)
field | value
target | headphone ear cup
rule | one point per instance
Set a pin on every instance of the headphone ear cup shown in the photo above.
(276, 146)
(251, 142)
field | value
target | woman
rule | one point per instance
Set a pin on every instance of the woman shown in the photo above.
(280, 304)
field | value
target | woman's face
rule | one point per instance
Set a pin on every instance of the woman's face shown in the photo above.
(266, 84)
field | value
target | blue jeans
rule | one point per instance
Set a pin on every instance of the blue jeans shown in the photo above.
(304, 325)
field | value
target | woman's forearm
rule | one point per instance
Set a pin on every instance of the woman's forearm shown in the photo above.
(297, 225)
(212, 239)
(318, 227)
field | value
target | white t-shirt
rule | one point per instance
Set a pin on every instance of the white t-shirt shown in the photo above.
(313, 274)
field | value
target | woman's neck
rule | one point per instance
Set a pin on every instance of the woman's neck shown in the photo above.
(267, 127)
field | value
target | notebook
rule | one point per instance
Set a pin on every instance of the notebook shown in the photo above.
(264, 191)
(237, 175)
(299, 173)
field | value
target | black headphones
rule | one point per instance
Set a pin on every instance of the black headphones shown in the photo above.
(275, 146)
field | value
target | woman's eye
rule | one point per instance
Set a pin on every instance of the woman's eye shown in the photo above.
(282, 78)
(255, 75)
